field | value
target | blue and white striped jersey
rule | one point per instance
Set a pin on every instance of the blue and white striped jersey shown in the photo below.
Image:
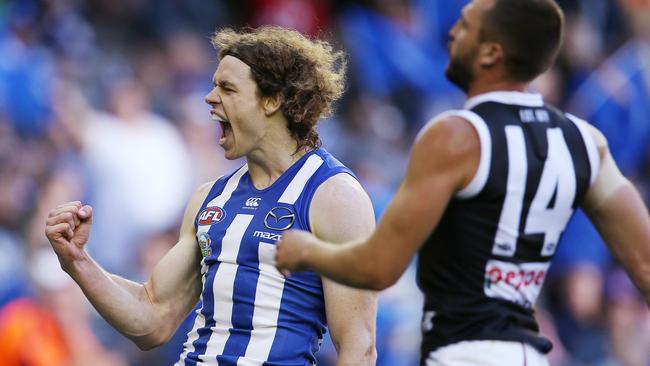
(251, 314)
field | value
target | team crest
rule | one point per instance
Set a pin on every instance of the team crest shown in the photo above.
(204, 244)
(211, 215)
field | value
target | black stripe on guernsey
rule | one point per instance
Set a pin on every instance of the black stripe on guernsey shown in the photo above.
(483, 267)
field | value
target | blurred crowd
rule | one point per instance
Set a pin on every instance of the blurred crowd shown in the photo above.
(102, 101)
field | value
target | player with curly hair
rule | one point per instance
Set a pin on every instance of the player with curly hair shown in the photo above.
(270, 89)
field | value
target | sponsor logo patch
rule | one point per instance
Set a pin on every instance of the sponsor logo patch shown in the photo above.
(279, 218)
(211, 215)
(520, 283)
(267, 235)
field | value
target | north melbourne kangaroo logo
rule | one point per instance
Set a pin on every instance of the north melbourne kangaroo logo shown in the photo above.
(253, 202)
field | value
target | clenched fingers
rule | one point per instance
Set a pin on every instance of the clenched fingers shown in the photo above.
(58, 231)
(65, 214)
(70, 217)
(66, 207)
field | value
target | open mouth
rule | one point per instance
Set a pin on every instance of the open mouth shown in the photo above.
(225, 127)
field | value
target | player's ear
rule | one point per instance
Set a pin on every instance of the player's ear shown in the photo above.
(489, 54)
(271, 104)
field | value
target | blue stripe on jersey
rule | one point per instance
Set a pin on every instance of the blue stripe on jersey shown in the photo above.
(208, 306)
(243, 307)
(300, 292)
(268, 320)
(207, 311)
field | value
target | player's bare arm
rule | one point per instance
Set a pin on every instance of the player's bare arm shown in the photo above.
(616, 209)
(341, 211)
(146, 313)
(444, 159)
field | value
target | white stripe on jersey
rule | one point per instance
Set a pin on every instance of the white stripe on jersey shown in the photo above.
(193, 335)
(268, 296)
(200, 320)
(270, 284)
(223, 287)
(477, 183)
(506, 97)
(294, 189)
(590, 144)
(505, 241)
(230, 187)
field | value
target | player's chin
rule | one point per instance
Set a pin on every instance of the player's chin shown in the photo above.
(231, 153)
(230, 156)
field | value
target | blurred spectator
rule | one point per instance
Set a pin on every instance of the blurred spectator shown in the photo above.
(24, 327)
(577, 308)
(26, 69)
(616, 99)
(309, 17)
(628, 319)
(398, 51)
(49, 323)
(140, 177)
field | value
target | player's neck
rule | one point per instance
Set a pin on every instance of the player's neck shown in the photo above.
(271, 159)
(485, 87)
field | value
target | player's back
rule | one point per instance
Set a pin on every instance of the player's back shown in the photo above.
(483, 267)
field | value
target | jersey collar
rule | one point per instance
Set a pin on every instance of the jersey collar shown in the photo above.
(506, 97)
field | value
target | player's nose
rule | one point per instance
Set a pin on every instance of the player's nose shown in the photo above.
(213, 97)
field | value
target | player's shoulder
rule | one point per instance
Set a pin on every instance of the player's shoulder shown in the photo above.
(340, 201)
(592, 132)
(454, 132)
(194, 205)
(205, 187)
(201, 193)
(341, 183)
(340, 192)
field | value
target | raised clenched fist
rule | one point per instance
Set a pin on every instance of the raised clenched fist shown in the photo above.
(68, 229)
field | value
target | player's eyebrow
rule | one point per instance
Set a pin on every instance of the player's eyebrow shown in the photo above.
(223, 83)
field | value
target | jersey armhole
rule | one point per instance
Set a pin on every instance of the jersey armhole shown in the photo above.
(309, 195)
(590, 146)
(226, 184)
(477, 183)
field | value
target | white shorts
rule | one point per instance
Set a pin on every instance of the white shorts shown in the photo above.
(487, 353)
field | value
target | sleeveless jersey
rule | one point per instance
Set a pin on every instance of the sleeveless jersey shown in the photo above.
(483, 267)
(251, 314)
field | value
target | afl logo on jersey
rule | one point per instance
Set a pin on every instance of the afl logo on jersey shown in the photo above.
(211, 215)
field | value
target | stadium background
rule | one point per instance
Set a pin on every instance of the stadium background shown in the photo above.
(102, 100)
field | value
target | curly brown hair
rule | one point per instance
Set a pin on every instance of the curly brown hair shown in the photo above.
(306, 74)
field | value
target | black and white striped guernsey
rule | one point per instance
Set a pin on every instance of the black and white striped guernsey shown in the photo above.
(483, 267)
